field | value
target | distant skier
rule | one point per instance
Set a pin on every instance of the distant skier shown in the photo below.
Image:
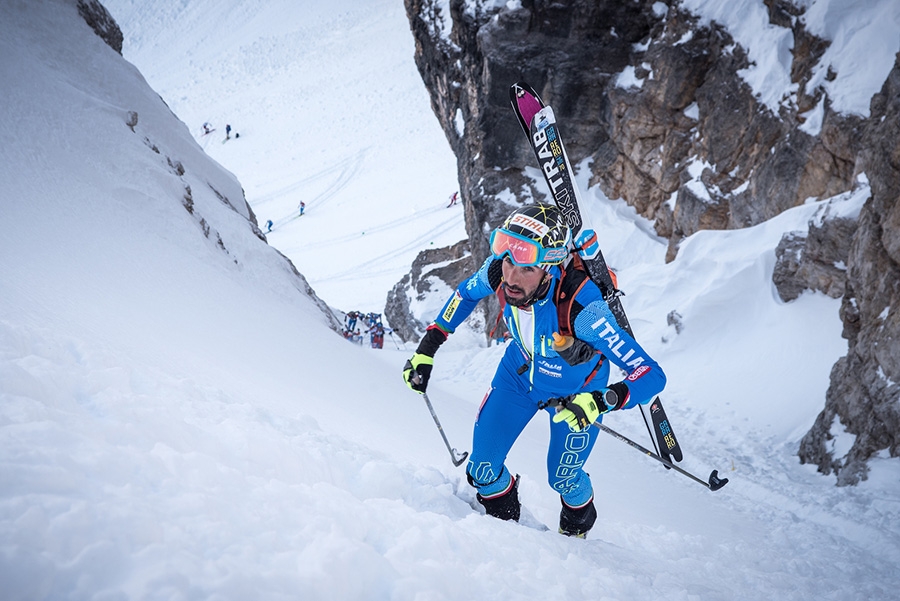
(453, 198)
(227, 132)
(207, 128)
(378, 336)
(302, 207)
(269, 225)
(541, 369)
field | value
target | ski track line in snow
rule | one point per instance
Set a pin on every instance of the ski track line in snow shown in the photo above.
(386, 226)
(354, 273)
(775, 493)
(770, 484)
(347, 168)
(333, 188)
(761, 489)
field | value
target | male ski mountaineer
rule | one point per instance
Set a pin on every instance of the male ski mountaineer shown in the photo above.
(541, 369)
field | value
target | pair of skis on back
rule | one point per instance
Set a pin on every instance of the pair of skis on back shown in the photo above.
(539, 124)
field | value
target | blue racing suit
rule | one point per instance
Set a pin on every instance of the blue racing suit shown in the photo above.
(531, 372)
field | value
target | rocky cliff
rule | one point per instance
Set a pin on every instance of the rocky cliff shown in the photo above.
(864, 395)
(654, 106)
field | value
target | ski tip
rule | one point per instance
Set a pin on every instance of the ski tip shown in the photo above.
(525, 103)
(524, 86)
(521, 89)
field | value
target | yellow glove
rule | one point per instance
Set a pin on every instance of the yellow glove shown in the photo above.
(581, 410)
(417, 371)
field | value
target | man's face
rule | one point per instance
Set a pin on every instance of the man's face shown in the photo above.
(520, 283)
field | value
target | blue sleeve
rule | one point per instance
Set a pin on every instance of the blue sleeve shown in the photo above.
(597, 326)
(459, 306)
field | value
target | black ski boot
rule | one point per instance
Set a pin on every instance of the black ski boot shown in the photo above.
(506, 506)
(577, 522)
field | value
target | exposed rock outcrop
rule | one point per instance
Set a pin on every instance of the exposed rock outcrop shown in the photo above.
(103, 24)
(864, 396)
(815, 259)
(433, 272)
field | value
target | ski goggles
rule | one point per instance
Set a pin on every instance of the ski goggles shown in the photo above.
(523, 251)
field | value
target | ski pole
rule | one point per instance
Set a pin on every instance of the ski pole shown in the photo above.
(454, 454)
(395, 341)
(715, 483)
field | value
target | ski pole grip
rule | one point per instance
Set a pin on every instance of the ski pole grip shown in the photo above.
(553, 402)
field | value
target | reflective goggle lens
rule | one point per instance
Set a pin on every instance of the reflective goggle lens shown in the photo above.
(523, 251)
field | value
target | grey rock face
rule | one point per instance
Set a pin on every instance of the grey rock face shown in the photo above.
(864, 395)
(431, 267)
(814, 261)
(103, 24)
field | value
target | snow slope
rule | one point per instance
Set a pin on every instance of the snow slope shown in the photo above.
(330, 110)
(178, 421)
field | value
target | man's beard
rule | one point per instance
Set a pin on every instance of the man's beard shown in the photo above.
(521, 301)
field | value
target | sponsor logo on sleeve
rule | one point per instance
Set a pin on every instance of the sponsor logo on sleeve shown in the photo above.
(452, 306)
(640, 371)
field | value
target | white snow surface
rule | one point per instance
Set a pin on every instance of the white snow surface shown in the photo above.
(177, 421)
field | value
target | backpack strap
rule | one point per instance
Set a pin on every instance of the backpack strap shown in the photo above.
(495, 279)
(570, 284)
(574, 277)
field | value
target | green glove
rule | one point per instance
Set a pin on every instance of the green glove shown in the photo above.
(417, 371)
(581, 410)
